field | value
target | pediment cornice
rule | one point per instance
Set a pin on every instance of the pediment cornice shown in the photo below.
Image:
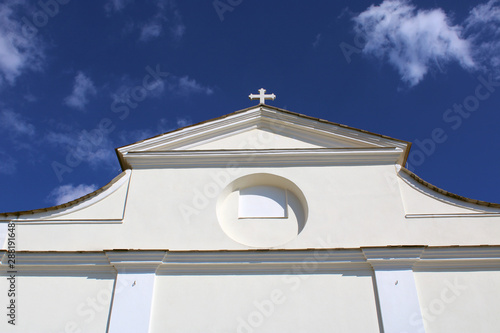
(267, 118)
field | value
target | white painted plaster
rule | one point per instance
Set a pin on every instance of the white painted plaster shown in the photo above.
(261, 202)
(398, 298)
(131, 309)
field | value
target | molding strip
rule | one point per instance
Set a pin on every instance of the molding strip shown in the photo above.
(264, 157)
(249, 262)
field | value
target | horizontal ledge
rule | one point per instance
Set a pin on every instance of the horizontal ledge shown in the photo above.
(276, 256)
(459, 264)
(280, 261)
(44, 270)
(451, 215)
(321, 156)
(312, 267)
(42, 221)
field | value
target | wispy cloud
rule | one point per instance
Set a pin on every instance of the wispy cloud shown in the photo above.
(168, 13)
(183, 122)
(166, 18)
(133, 91)
(7, 164)
(483, 27)
(163, 125)
(186, 86)
(130, 136)
(30, 98)
(94, 148)
(66, 193)
(411, 40)
(115, 5)
(317, 40)
(15, 124)
(150, 31)
(82, 89)
(177, 27)
(20, 51)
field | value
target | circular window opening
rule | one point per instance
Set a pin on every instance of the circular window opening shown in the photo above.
(262, 210)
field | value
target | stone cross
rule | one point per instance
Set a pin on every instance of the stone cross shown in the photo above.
(262, 96)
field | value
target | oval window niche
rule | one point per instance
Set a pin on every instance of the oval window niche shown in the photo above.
(262, 210)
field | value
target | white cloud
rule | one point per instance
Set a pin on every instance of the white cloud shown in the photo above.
(115, 5)
(413, 41)
(163, 125)
(133, 92)
(317, 40)
(15, 124)
(67, 193)
(30, 98)
(485, 13)
(183, 122)
(187, 86)
(92, 147)
(166, 17)
(483, 27)
(20, 48)
(150, 31)
(82, 89)
(7, 164)
(130, 136)
(177, 28)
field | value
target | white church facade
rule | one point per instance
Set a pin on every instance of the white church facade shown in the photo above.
(263, 220)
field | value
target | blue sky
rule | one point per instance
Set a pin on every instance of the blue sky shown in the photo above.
(426, 72)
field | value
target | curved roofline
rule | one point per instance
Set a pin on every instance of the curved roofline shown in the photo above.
(67, 204)
(448, 194)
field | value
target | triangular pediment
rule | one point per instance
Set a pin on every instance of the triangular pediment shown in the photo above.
(263, 128)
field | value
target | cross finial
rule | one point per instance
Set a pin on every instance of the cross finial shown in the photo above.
(262, 96)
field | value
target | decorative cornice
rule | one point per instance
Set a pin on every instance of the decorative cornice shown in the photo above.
(278, 120)
(251, 116)
(392, 257)
(308, 261)
(271, 256)
(263, 262)
(304, 267)
(131, 261)
(266, 157)
(58, 263)
(58, 258)
(483, 257)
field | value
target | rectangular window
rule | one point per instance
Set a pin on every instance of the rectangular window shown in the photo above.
(262, 202)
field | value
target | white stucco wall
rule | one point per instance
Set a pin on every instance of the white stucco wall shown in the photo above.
(59, 302)
(265, 303)
(461, 301)
(348, 206)
(382, 233)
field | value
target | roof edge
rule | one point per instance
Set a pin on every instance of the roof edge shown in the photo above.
(125, 166)
(449, 194)
(67, 204)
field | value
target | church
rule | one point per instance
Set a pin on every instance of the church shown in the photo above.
(260, 221)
